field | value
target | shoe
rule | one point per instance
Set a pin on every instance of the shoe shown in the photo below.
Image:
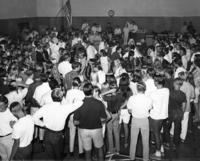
(167, 146)
(155, 156)
(173, 146)
(71, 154)
(122, 135)
(108, 154)
(81, 155)
(153, 142)
(182, 141)
(162, 151)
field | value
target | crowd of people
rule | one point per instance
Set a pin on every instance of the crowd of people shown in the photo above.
(100, 83)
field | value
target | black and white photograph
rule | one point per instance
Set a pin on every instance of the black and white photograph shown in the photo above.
(99, 80)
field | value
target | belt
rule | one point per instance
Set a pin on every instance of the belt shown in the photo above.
(5, 135)
(114, 113)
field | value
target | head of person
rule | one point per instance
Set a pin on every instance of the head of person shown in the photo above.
(136, 75)
(178, 62)
(29, 73)
(96, 92)
(118, 49)
(53, 83)
(150, 72)
(44, 77)
(103, 52)
(117, 63)
(124, 80)
(76, 66)
(178, 82)
(17, 110)
(88, 89)
(3, 103)
(168, 73)
(104, 87)
(76, 82)
(57, 95)
(141, 87)
(182, 75)
(159, 81)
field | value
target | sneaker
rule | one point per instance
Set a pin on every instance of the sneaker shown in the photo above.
(182, 141)
(162, 151)
(156, 156)
(173, 146)
(71, 154)
(167, 146)
(108, 154)
(81, 155)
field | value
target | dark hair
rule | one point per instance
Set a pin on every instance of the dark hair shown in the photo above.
(4, 99)
(75, 65)
(96, 88)
(197, 60)
(29, 73)
(178, 61)
(184, 50)
(13, 105)
(137, 75)
(169, 71)
(88, 89)
(44, 77)
(111, 79)
(159, 79)
(53, 83)
(57, 95)
(152, 47)
(118, 47)
(124, 80)
(151, 72)
(76, 82)
(104, 53)
(179, 81)
(141, 87)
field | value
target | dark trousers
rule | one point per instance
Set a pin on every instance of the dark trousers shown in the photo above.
(53, 142)
(177, 130)
(23, 153)
(155, 128)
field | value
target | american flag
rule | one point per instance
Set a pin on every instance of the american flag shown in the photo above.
(68, 12)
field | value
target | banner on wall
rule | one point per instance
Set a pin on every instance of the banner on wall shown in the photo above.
(68, 12)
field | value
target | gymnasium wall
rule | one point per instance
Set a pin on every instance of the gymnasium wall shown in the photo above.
(157, 15)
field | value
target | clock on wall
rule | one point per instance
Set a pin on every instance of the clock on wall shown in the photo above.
(111, 13)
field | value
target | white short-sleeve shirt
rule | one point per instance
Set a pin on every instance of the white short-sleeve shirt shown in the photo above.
(23, 130)
(139, 104)
(5, 118)
(160, 99)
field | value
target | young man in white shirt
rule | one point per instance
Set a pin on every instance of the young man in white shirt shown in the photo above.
(159, 112)
(91, 51)
(74, 94)
(64, 65)
(149, 81)
(139, 106)
(6, 120)
(38, 94)
(22, 134)
(54, 116)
